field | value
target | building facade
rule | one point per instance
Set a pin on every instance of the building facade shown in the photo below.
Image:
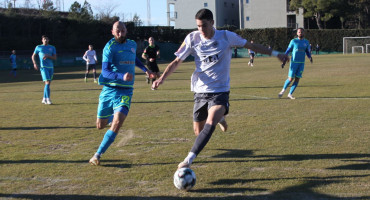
(181, 13)
(268, 14)
(243, 14)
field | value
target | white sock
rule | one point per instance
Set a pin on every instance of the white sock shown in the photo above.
(189, 159)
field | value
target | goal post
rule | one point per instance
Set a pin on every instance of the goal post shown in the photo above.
(351, 44)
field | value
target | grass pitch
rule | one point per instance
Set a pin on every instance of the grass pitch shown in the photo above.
(314, 147)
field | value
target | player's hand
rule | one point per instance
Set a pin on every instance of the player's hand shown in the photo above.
(128, 77)
(46, 56)
(283, 57)
(156, 83)
(35, 67)
(150, 74)
(311, 60)
(151, 59)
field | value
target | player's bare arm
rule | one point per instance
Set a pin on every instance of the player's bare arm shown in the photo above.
(168, 71)
(34, 62)
(53, 57)
(261, 49)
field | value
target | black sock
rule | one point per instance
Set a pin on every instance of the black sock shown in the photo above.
(202, 138)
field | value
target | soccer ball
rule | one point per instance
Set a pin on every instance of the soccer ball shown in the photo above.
(184, 179)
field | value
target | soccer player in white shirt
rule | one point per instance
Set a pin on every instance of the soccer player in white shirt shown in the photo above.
(210, 82)
(91, 60)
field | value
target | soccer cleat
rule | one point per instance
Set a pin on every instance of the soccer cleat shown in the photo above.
(85, 79)
(290, 96)
(48, 101)
(281, 94)
(249, 63)
(94, 161)
(223, 124)
(43, 101)
(95, 81)
(183, 165)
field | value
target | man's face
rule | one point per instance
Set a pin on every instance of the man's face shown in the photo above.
(45, 41)
(300, 33)
(90, 47)
(205, 27)
(119, 32)
(151, 41)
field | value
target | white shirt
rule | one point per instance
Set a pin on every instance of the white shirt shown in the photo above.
(212, 59)
(90, 57)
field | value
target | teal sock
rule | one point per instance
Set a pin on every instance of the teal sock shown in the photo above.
(107, 141)
(294, 86)
(286, 84)
(47, 91)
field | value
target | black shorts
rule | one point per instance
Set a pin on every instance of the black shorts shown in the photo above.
(204, 101)
(251, 54)
(90, 66)
(153, 66)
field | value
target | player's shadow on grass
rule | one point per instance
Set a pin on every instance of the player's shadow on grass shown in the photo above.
(306, 190)
(233, 153)
(45, 127)
(51, 161)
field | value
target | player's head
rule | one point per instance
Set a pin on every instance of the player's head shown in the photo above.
(119, 31)
(13, 51)
(45, 40)
(300, 33)
(151, 41)
(91, 47)
(204, 20)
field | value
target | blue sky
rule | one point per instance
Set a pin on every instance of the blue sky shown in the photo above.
(123, 8)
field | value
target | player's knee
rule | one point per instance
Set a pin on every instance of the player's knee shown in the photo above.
(100, 125)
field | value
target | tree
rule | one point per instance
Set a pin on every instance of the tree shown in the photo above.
(78, 12)
(137, 21)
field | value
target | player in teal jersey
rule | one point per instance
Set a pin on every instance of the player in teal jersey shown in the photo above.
(118, 76)
(299, 47)
(47, 54)
(13, 62)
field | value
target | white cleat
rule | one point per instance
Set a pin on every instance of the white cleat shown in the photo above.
(281, 93)
(94, 161)
(43, 101)
(48, 102)
(290, 96)
(183, 165)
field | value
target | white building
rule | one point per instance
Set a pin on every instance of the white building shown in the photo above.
(250, 14)
(181, 13)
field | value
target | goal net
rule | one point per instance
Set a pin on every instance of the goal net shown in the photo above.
(356, 45)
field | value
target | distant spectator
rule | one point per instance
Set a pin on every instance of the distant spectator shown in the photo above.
(13, 63)
(235, 52)
(317, 49)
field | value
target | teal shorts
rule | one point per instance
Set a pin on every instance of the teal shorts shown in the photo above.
(296, 70)
(113, 99)
(47, 73)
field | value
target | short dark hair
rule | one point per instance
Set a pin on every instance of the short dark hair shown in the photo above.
(302, 29)
(44, 36)
(204, 14)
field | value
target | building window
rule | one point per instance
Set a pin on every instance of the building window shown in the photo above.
(247, 18)
(205, 5)
(246, 1)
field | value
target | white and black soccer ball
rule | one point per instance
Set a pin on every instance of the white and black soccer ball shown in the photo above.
(184, 179)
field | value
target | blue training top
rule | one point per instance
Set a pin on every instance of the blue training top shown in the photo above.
(119, 59)
(298, 48)
(42, 50)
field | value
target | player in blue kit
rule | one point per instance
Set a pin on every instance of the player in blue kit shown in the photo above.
(47, 54)
(299, 47)
(118, 76)
(13, 62)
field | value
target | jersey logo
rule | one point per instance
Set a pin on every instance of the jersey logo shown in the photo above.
(209, 59)
(120, 51)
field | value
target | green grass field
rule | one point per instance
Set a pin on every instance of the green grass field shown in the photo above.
(314, 147)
